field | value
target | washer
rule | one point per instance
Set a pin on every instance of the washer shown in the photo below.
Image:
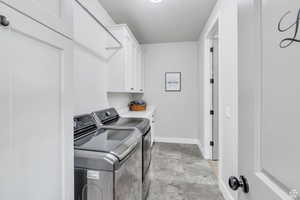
(106, 161)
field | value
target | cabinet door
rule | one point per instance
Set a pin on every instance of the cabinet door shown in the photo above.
(134, 80)
(140, 71)
(143, 63)
(129, 72)
(56, 14)
(36, 146)
(124, 65)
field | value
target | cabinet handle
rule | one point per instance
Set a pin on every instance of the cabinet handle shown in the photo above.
(141, 90)
(4, 21)
(132, 88)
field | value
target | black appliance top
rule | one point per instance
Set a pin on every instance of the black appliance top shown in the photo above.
(110, 117)
(83, 125)
(107, 115)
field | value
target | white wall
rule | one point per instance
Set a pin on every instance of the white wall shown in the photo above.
(89, 82)
(176, 114)
(90, 72)
(226, 12)
(118, 100)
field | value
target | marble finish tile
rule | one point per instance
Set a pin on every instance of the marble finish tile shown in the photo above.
(166, 190)
(179, 172)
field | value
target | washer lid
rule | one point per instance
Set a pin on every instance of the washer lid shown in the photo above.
(110, 117)
(119, 142)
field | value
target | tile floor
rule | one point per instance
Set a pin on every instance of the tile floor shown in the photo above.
(179, 172)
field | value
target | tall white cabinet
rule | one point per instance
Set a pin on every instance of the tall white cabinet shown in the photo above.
(36, 146)
(140, 77)
(125, 71)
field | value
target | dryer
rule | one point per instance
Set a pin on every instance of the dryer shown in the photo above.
(111, 118)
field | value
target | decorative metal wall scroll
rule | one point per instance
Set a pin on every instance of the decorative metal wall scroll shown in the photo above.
(294, 28)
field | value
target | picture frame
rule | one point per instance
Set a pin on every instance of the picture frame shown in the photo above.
(173, 81)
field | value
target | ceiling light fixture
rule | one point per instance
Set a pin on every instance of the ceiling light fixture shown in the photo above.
(156, 1)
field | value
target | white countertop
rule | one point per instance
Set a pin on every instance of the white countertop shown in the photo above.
(139, 114)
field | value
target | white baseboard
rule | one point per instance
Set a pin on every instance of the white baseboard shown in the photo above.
(206, 155)
(224, 190)
(176, 140)
(201, 148)
(203, 152)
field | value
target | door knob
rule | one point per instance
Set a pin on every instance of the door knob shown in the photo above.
(4, 21)
(294, 194)
(235, 183)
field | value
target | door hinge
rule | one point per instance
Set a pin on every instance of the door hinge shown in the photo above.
(212, 112)
(211, 49)
(212, 143)
(212, 81)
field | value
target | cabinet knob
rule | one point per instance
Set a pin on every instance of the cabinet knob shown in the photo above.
(4, 21)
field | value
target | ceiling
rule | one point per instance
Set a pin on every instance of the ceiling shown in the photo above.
(169, 21)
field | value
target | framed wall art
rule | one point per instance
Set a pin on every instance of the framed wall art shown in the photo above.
(173, 81)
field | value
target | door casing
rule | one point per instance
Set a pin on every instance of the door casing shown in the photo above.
(215, 96)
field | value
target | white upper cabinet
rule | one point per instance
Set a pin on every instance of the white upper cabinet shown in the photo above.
(125, 67)
(140, 70)
(56, 14)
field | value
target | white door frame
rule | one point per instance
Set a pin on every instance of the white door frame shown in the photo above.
(214, 52)
(208, 131)
(225, 16)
